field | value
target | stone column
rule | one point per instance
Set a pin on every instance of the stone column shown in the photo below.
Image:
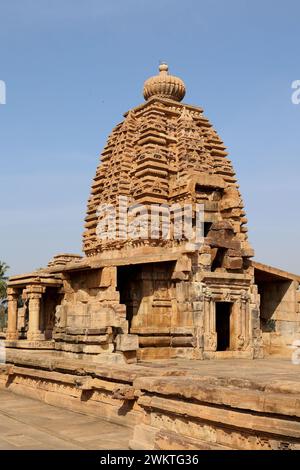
(210, 335)
(34, 295)
(12, 326)
(243, 331)
(196, 296)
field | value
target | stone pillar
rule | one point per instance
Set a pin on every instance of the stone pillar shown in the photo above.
(197, 298)
(210, 335)
(255, 333)
(12, 326)
(243, 330)
(34, 295)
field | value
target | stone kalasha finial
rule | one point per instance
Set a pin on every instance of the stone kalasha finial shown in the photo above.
(164, 85)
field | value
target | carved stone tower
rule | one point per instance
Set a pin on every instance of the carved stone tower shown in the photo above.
(166, 152)
(140, 291)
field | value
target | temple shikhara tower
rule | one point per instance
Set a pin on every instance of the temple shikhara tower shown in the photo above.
(144, 296)
(132, 330)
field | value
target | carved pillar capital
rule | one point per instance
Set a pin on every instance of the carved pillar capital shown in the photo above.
(245, 297)
(207, 294)
(35, 291)
(34, 296)
(12, 293)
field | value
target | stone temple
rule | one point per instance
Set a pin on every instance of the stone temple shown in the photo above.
(137, 297)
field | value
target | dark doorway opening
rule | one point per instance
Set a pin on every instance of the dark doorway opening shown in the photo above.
(207, 227)
(223, 312)
(129, 286)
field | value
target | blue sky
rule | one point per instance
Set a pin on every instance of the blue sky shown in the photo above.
(73, 67)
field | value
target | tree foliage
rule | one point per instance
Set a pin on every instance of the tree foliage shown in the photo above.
(3, 279)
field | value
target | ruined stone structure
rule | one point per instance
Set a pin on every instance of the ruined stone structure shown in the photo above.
(135, 297)
(153, 297)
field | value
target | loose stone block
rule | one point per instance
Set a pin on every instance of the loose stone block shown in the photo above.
(127, 342)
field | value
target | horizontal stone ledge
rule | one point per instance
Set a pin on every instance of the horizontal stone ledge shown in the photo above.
(84, 348)
(26, 344)
(65, 368)
(218, 392)
(146, 341)
(162, 331)
(93, 340)
(231, 418)
(87, 331)
(166, 439)
(48, 375)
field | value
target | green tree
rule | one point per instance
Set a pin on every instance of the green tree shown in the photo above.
(3, 279)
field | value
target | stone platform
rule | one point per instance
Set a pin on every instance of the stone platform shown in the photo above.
(174, 404)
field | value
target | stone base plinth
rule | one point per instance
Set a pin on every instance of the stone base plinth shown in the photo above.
(35, 336)
(173, 404)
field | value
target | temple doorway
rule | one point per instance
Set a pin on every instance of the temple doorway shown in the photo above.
(223, 313)
(129, 287)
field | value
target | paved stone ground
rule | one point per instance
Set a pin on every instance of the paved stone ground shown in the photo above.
(31, 424)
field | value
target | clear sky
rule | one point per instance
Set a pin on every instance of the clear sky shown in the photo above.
(73, 67)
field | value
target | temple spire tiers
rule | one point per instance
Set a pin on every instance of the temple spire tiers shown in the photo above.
(164, 152)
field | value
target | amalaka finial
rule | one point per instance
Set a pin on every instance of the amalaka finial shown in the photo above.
(164, 85)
